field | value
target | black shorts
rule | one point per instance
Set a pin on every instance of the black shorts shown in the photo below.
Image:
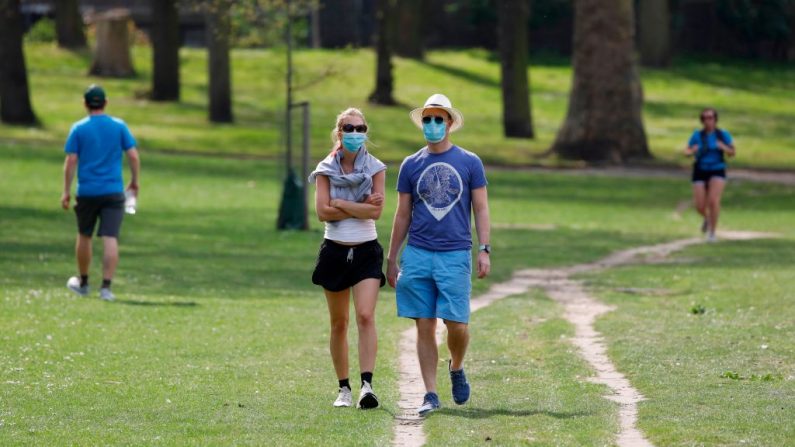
(700, 176)
(340, 266)
(108, 209)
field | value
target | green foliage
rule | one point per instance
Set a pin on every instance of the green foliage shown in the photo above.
(730, 375)
(759, 377)
(698, 309)
(543, 12)
(262, 23)
(756, 20)
(43, 31)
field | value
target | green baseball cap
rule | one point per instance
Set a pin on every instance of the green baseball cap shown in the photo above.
(94, 96)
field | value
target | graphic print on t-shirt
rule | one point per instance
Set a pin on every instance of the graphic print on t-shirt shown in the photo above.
(439, 187)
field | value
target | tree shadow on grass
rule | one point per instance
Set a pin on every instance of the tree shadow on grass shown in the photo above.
(463, 74)
(158, 303)
(485, 413)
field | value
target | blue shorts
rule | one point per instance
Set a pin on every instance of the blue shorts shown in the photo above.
(434, 284)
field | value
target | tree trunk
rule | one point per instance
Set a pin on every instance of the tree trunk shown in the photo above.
(655, 33)
(112, 55)
(409, 35)
(383, 75)
(165, 50)
(314, 26)
(218, 31)
(69, 24)
(512, 16)
(604, 121)
(15, 105)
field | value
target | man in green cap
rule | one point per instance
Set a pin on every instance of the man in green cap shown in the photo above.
(94, 149)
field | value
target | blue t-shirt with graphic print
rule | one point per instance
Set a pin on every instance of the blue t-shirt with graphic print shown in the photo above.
(440, 187)
(98, 141)
(710, 158)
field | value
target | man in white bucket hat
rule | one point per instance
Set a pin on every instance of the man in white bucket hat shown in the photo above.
(438, 188)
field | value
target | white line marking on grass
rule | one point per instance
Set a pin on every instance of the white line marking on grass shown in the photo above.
(580, 309)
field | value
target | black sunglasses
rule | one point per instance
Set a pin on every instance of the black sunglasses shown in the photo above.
(348, 128)
(427, 119)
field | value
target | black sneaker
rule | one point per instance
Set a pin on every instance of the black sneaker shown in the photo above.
(367, 398)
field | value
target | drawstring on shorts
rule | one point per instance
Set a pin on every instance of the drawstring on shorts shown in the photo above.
(350, 255)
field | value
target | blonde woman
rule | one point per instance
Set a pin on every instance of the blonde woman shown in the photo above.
(349, 199)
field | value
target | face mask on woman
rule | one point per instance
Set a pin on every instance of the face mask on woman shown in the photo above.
(434, 132)
(352, 141)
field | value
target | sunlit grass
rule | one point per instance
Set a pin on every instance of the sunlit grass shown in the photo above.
(755, 100)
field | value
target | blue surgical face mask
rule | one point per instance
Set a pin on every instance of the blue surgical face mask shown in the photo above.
(352, 141)
(433, 132)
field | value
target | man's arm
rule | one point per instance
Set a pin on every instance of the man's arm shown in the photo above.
(400, 228)
(135, 169)
(69, 168)
(370, 208)
(480, 205)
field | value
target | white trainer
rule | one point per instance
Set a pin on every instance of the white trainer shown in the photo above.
(344, 398)
(711, 238)
(367, 398)
(106, 294)
(73, 284)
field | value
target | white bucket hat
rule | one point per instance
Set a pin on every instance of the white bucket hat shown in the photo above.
(438, 101)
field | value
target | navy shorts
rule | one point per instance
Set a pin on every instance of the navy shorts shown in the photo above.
(109, 210)
(700, 176)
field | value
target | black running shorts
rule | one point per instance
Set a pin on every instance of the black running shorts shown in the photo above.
(108, 209)
(340, 266)
(701, 176)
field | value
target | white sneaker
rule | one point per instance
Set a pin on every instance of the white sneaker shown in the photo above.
(344, 398)
(73, 284)
(712, 238)
(106, 294)
(367, 398)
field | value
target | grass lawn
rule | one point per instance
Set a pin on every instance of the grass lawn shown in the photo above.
(722, 377)
(756, 103)
(217, 330)
(218, 337)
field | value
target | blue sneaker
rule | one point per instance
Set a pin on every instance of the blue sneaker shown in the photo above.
(460, 385)
(429, 404)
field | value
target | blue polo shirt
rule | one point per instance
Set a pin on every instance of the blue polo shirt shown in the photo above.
(99, 141)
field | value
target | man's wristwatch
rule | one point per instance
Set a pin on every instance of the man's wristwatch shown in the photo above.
(484, 247)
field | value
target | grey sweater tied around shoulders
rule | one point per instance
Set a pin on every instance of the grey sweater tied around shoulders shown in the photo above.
(354, 187)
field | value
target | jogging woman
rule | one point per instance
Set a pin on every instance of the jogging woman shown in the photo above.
(709, 146)
(349, 198)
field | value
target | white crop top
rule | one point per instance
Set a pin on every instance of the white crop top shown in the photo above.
(351, 230)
